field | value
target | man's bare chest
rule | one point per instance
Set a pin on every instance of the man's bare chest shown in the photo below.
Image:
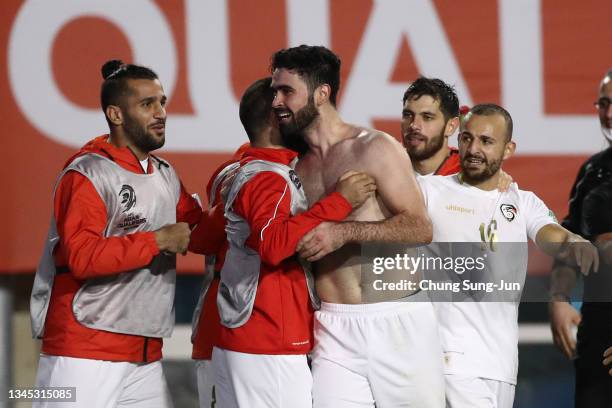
(319, 176)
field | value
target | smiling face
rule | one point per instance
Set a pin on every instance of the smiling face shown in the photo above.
(293, 104)
(144, 114)
(423, 127)
(483, 146)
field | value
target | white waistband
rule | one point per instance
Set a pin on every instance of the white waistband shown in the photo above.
(376, 307)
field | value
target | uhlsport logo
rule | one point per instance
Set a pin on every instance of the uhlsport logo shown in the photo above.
(508, 211)
(128, 197)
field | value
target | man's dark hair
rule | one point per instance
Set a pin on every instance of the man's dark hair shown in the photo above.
(607, 77)
(316, 65)
(490, 109)
(116, 75)
(256, 107)
(439, 91)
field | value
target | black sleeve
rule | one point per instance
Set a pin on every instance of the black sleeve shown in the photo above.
(597, 211)
(572, 220)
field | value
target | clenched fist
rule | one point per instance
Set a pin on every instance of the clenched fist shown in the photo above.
(173, 238)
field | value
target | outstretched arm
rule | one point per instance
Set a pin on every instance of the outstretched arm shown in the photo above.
(568, 247)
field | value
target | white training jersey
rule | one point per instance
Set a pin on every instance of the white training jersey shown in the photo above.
(481, 338)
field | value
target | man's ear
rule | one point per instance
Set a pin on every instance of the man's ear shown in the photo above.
(322, 94)
(114, 115)
(451, 126)
(509, 150)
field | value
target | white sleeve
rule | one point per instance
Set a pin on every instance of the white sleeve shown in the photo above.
(422, 180)
(537, 214)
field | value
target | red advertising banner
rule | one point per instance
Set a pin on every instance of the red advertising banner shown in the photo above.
(542, 60)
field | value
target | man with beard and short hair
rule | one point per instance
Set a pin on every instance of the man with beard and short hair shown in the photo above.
(480, 338)
(266, 297)
(103, 295)
(589, 215)
(479, 168)
(429, 117)
(370, 348)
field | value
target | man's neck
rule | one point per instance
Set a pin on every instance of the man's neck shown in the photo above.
(327, 130)
(118, 139)
(267, 145)
(269, 138)
(487, 185)
(428, 166)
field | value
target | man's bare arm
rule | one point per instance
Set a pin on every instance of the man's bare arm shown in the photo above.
(568, 247)
(562, 281)
(398, 189)
(564, 318)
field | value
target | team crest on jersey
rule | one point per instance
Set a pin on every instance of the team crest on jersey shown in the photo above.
(508, 211)
(295, 179)
(128, 201)
(128, 197)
